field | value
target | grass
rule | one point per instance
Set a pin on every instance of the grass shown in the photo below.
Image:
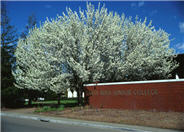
(51, 105)
(55, 102)
(49, 108)
(64, 102)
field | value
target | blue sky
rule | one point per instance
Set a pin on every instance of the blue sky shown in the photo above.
(165, 15)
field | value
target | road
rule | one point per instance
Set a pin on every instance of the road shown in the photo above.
(12, 124)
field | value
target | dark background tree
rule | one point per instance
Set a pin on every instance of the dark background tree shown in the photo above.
(9, 94)
(180, 69)
(30, 25)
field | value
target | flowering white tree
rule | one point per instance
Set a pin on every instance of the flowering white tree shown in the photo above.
(146, 52)
(91, 46)
(94, 43)
(38, 66)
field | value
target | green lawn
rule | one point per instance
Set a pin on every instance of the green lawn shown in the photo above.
(51, 105)
(66, 101)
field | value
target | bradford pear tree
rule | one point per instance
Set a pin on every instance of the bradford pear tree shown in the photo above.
(147, 54)
(39, 64)
(25, 78)
(113, 48)
(94, 42)
(30, 93)
(78, 43)
(94, 45)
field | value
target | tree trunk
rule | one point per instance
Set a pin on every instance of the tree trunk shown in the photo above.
(30, 102)
(79, 97)
(59, 98)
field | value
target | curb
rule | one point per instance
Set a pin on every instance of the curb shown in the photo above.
(70, 122)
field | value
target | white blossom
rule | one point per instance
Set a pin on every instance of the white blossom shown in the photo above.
(91, 46)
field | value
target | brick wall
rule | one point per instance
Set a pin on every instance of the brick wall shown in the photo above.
(144, 95)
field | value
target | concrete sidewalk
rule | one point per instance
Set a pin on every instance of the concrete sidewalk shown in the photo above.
(94, 124)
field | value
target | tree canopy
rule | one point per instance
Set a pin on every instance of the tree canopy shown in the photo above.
(89, 46)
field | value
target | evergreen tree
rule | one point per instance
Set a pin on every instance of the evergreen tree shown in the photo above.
(9, 38)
